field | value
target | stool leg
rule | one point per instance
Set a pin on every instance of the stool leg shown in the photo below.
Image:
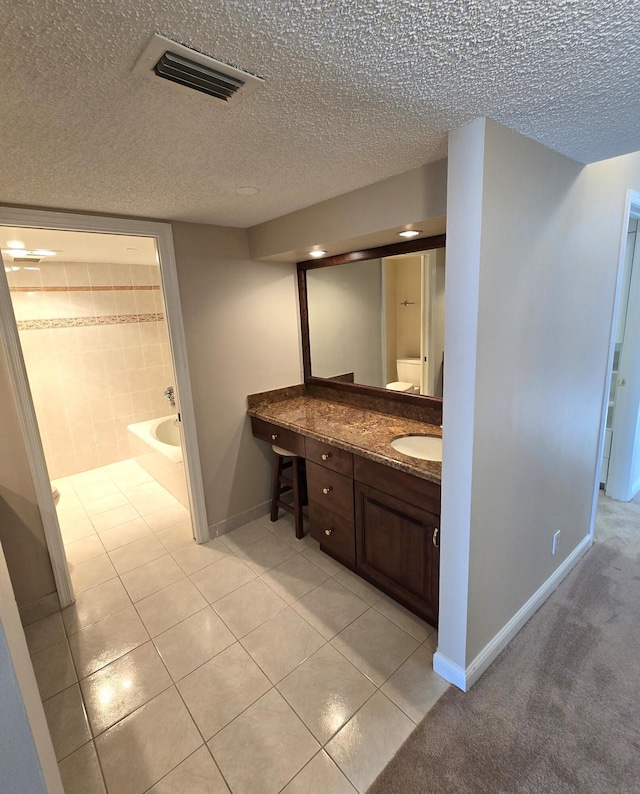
(298, 495)
(275, 493)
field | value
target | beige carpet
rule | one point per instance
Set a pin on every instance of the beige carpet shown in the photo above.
(559, 711)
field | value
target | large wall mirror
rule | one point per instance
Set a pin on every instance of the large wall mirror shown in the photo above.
(375, 318)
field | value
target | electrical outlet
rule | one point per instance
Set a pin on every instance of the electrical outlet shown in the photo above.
(555, 543)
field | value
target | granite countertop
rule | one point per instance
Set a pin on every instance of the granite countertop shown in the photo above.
(361, 431)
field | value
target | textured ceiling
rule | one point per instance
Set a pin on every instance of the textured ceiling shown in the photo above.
(356, 90)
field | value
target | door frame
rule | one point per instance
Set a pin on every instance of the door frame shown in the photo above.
(161, 232)
(631, 207)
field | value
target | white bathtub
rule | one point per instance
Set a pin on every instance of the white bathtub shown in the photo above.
(155, 445)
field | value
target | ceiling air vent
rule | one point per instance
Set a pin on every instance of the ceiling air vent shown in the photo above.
(32, 260)
(180, 64)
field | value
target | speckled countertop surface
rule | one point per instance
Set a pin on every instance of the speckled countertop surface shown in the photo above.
(363, 432)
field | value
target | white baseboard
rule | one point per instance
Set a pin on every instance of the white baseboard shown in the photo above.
(465, 679)
(449, 671)
(229, 524)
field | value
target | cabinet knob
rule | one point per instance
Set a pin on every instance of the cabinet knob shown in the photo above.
(327, 490)
(274, 436)
(328, 531)
(325, 455)
(436, 537)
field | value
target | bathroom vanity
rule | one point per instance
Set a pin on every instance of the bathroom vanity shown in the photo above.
(372, 508)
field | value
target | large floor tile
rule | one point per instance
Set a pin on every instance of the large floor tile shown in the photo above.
(263, 748)
(319, 776)
(45, 632)
(265, 554)
(100, 504)
(222, 688)
(249, 607)
(330, 608)
(91, 573)
(73, 531)
(54, 669)
(151, 577)
(113, 518)
(414, 687)
(176, 536)
(375, 645)
(123, 686)
(169, 606)
(198, 774)
(108, 640)
(143, 747)
(196, 556)
(84, 549)
(282, 643)
(367, 592)
(369, 740)
(124, 534)
(322, 560)
(67, 721)
(223, 577)
(167, 517)
(95, 604)
(246, 535)
(193, 642)
(151, 504)
(81, 773)
(326, 691)
(295, 577)
(142, 490)
(135, 554)
(407, 621)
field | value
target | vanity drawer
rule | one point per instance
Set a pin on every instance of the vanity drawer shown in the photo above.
(334, 533)
(330, 490)
(274, 434)
(330, 457)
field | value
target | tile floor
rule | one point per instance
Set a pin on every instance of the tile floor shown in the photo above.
(252, 664)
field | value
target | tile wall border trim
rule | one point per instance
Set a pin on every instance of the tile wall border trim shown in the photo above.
(78, 322)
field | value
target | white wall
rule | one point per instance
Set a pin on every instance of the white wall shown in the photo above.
(345, 321)
(242, 332)
(27, 759)
(537, 236)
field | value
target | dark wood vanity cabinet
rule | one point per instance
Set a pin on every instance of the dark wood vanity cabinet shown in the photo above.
(395, 548)
(380, 522)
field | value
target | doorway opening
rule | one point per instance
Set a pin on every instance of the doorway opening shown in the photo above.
(93, 333)
(620, 462)
(413, 322)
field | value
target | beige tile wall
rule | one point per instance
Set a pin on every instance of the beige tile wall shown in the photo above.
(90, 382)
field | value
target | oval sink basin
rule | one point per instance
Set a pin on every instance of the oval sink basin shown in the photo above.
(423, 447)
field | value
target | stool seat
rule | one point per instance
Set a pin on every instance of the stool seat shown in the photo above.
(284, 452)
(289, 475)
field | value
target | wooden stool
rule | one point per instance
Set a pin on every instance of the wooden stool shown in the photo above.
(289, 475)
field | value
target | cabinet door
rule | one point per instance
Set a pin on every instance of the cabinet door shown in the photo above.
(396, 546)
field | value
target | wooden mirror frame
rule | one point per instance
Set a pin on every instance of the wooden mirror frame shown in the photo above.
(406, 247)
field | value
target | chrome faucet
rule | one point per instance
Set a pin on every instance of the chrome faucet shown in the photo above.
(169, 394)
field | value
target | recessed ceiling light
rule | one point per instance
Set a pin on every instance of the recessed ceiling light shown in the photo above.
(42, 252)
(409, 233)
(15, 244)
(317, 253)
(247, 191)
